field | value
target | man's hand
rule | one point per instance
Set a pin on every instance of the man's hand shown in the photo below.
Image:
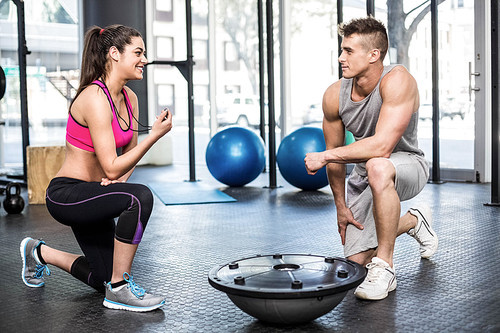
(314, 162)
(344, 217)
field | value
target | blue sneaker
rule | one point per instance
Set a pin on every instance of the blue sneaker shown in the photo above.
(131, 297)
(33, 270)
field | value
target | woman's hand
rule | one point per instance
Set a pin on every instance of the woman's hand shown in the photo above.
(162, 124)
(105, 181)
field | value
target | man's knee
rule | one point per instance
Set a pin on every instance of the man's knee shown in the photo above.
(381, 173)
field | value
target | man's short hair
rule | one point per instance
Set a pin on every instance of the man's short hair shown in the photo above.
(372, 31)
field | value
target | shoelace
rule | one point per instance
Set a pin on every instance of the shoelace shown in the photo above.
(134, 288)
(374, 271)
(39, 271)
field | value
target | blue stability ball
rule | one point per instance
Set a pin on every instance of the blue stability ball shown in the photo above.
(291, 154)
(235, 156)
(349, 138)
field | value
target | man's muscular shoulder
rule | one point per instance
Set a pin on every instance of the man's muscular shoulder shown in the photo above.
(399, 84)
(398, 76)
(331, 100)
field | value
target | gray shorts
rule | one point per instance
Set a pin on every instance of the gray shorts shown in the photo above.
(412, 173)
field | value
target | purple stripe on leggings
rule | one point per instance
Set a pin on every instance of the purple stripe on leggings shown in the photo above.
(89, 199)
(139, 229)
(138, 234)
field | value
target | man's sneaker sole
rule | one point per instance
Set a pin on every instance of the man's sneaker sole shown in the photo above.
(22, 249)
(427, 254)
(364, 295)
(120, 306)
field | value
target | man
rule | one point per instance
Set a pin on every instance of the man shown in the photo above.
(379, 106)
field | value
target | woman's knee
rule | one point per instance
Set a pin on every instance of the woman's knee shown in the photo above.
(144, 195)
(99, 282)
(133, 221)
(96, 279)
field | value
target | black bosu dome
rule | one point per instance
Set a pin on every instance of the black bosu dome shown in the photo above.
(287, 288)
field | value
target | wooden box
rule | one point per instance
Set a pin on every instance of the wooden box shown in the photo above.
(42, 163)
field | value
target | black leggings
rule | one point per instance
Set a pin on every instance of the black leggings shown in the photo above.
(89, 209)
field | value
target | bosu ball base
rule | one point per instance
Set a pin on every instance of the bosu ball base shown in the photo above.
(287, 288)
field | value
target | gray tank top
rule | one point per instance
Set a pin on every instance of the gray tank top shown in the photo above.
(360, 118)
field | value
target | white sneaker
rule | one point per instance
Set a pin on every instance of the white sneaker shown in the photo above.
(380, 280)
(423, 232)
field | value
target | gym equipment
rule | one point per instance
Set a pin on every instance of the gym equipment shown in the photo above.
(188, 193)
(2, 83)
(349, 138)
(287, 288)
(291, 154)
(13, 202)
(235, 156)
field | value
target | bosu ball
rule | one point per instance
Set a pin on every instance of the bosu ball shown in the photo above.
(287, 288)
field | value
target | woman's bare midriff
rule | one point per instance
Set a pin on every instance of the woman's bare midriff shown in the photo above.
(81, 164)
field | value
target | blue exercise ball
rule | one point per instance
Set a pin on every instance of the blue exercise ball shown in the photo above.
(235, 156)
(291, 154)
(349, 138)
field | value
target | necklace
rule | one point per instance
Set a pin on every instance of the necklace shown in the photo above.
(129, 125)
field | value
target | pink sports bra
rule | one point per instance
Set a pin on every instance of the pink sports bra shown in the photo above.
(79, 135)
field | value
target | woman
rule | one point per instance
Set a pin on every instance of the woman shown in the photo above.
(89, 190)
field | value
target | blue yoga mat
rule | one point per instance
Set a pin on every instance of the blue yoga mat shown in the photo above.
(188, 193)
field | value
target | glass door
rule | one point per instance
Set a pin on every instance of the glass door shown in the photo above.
(409, 28)
(456, 99)
(480, 90)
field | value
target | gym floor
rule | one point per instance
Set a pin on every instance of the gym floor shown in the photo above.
(455, 291)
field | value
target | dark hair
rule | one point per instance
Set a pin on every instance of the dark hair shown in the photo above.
(97, 43)
(372, 31)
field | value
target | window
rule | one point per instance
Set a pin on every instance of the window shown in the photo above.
(166, 97)
(52, 70)
(164, 10)
(201, 100)
(231, 59)
(228, 89)
(200, 53)
(165, 48)
(5, 8)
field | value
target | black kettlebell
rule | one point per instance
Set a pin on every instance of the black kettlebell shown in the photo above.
(13, 203)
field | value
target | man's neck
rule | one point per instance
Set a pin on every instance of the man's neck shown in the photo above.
(364, 84)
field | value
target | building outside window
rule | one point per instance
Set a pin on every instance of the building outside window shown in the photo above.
(164, 48)
(52, 37)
